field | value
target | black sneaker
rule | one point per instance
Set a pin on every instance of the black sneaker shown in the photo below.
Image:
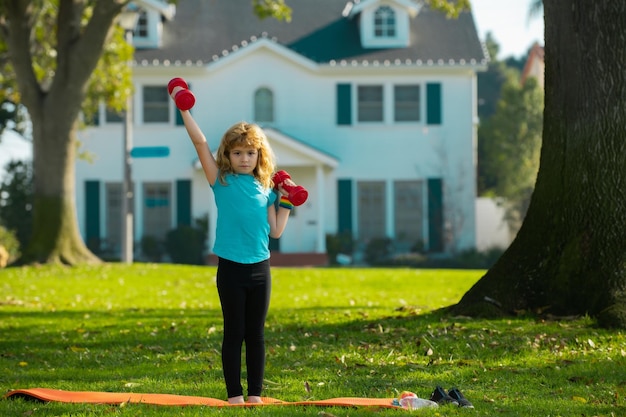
(441, 397)
(463, 402)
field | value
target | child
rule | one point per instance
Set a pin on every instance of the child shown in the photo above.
(241, 179)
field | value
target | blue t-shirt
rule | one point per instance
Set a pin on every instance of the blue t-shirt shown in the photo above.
(242, 233)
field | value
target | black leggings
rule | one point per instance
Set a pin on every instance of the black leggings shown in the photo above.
(244, 291)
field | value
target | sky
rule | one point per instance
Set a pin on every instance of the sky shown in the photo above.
(507, 20)
(13, 147)
(509, 24)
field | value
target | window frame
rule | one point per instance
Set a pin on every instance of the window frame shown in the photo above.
(385, 23)
(365, 106)
(402, 108)
(158, 110)
(264, 105)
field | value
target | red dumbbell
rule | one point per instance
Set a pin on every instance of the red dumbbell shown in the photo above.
(183, 98)
(297, 193)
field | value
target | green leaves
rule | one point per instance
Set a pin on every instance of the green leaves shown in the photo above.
(449, 7)
(277, 9)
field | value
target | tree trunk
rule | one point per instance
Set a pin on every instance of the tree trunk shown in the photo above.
(569, 257)
(55, 238)
(54, 103)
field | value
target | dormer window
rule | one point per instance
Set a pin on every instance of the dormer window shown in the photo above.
(148, 31)
(141, 30)
(384, 22)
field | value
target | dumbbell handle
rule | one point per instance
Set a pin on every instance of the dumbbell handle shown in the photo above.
(297, 193)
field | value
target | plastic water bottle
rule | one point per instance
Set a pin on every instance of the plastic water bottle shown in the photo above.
(411, 401)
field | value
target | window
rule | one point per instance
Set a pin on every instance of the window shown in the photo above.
(141, 30)
(409, 211)
(156, 107)
(371, 209)
(263, 105)
(384, 22)
(112, 116)
(157, 209)
(406, 103)
(370, 106)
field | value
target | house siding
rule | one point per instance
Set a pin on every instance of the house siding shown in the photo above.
(327, 150)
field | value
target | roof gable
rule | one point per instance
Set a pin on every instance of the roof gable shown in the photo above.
(299, 149)
(256, 44)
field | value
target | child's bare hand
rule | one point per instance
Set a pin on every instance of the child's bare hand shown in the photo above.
(282, 190)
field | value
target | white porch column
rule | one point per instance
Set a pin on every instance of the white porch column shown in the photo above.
(321, 204)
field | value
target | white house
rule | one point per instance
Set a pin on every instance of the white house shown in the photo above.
(370, 105)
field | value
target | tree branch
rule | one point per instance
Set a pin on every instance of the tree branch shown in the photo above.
(20, 17)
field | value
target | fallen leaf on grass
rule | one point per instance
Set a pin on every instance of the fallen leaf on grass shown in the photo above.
(268, 382)
(77, 349)
(579, 399)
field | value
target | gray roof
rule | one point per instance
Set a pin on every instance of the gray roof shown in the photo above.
(203, 29)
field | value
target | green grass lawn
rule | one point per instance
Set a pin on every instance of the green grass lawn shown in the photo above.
(330, 333)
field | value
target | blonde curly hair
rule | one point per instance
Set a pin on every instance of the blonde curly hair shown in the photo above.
(248, 135)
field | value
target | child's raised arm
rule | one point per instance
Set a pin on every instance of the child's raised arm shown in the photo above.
(184, 100)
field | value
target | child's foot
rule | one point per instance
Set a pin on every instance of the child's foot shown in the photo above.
(253, 399)
(236, 400)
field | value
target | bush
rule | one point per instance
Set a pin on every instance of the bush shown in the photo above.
(379, 251)
(9, 241)
(469, 259)
(341, 243)
(16, 200)
(151, 248)
(187, 244)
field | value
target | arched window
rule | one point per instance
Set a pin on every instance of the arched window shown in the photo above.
(263, 105)
(384, 22)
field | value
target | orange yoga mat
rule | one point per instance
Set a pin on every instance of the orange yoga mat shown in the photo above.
(47, 395)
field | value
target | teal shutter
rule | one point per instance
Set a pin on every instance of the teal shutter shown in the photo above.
(183, 202)
(92, 214)
(179, 117)
(344, 104)
(433, 103)
(435, 215)
(344, 206)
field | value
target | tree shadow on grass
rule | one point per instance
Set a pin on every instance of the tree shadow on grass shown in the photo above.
(335, 351)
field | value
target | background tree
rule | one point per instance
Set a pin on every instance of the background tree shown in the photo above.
(16, 201)
(569, 256)
(509, 146)
(490, 82)
(54, 48)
